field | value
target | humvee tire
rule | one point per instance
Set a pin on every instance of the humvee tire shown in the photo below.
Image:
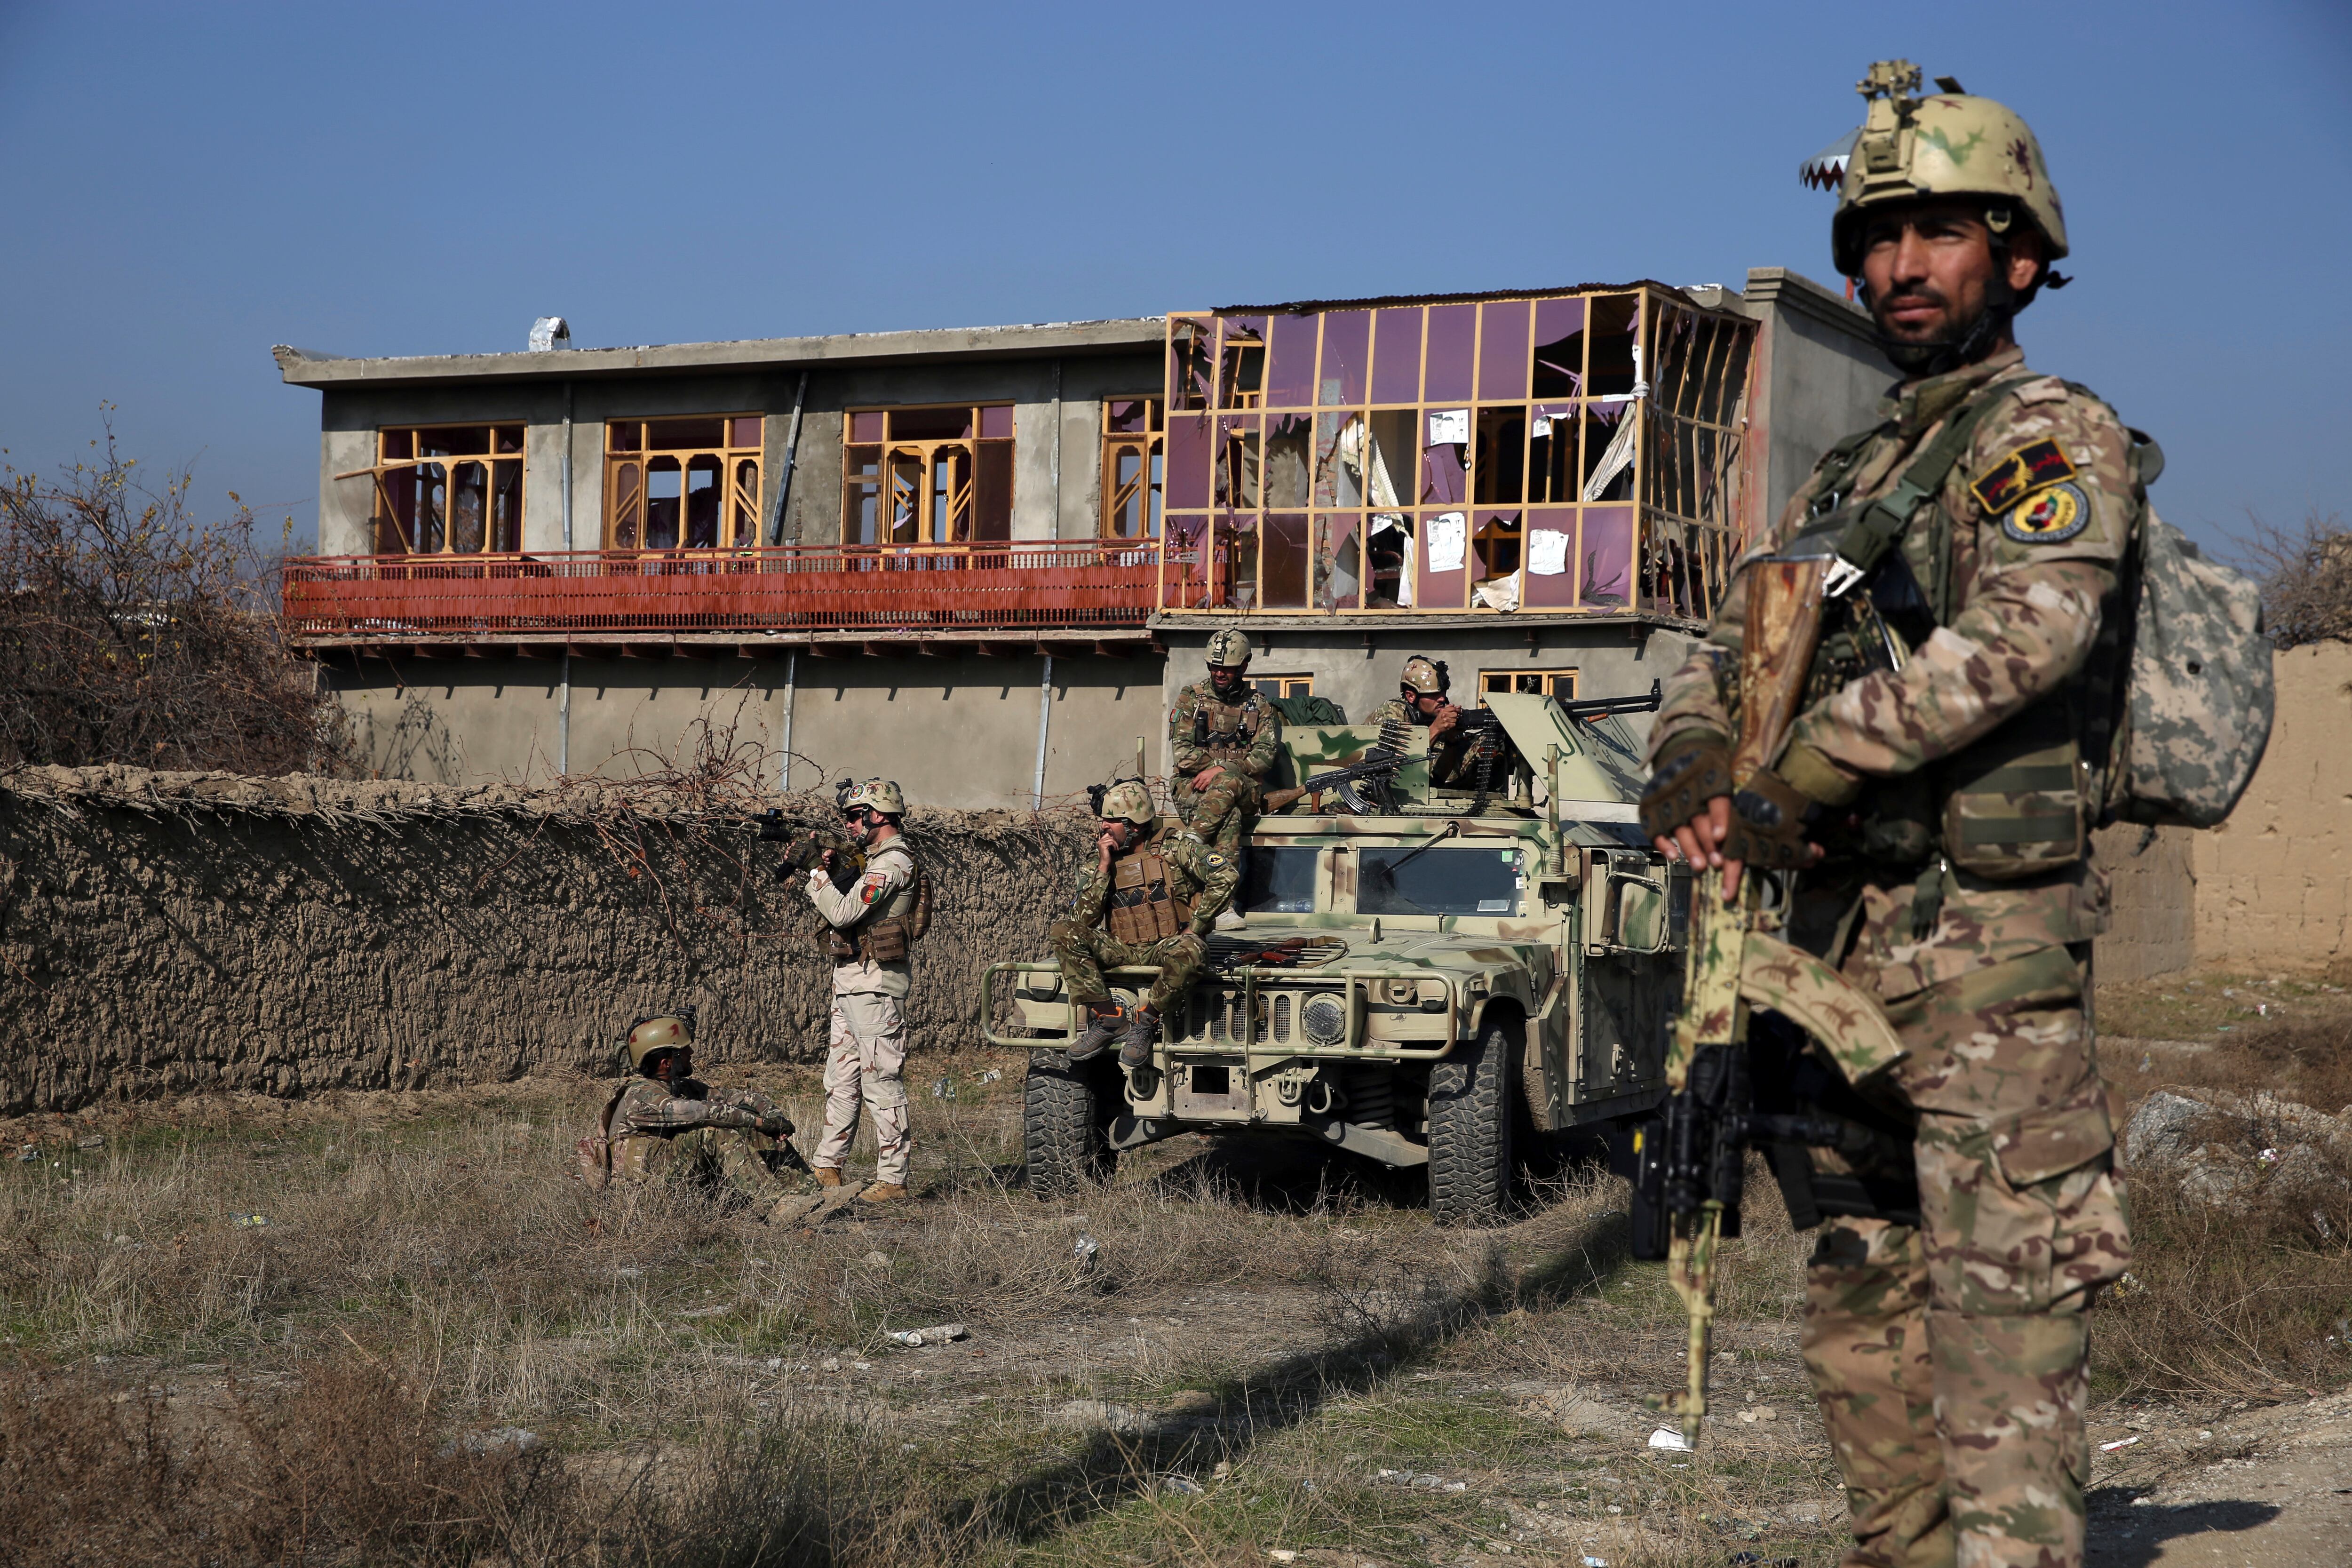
(1063, 1127)
(1470, 1130)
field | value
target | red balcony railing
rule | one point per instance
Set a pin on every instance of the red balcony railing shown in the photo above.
(949, 588)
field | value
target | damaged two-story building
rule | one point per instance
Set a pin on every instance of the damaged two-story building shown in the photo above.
(979, 561)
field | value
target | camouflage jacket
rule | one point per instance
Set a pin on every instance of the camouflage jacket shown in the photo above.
(888, 887)
(1196, 872)
(1445, 758)
(1200, 702)
(646, 1108)
(2032, 572)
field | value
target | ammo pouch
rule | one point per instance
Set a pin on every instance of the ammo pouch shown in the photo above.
(888, 940)
(1236, 729)
(2015, 804)
(1144, 908)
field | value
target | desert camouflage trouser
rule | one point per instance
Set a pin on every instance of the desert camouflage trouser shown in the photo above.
(730, 1157)
(1950, 1361)
(1222, 813)
(869, 1053)
(1086, 951)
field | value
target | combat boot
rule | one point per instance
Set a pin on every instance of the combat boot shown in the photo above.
(1142, 1034)
(1103, 1019)
(828, 1175)
(882, 1193)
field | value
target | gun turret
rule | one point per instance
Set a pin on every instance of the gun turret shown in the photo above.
(1594, 707)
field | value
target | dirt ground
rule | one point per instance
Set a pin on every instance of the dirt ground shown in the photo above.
(1266, 1353)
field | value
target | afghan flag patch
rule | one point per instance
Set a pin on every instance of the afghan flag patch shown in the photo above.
(2036, 466)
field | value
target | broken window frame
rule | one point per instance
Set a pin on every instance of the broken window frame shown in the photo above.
(924, 469)
(1144, 495)
(738, 465)
(1678, 459)
(501, 468)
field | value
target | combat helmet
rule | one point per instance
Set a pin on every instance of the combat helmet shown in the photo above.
(1949, 143)
(1424, 677)
(1229, 649)
(1129, 801)
(876, 794)
(665, 1032)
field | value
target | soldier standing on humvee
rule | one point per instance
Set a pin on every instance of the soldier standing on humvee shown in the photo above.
(1223, 736)
(1146, 898)
(665, 1121)
(1421, 700)
(873, 922)
(1952, 714)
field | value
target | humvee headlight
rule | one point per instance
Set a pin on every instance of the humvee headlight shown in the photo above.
(1324, 1019)
(1400, 993)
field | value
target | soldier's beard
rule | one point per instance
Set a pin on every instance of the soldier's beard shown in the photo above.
(1971, 341)
(1225, 682)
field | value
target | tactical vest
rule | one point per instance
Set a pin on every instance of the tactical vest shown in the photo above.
(1229, 734)
(887, 933)
(2017, 802)
(1144, 905)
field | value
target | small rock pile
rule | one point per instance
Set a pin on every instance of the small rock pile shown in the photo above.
(2238, 1152)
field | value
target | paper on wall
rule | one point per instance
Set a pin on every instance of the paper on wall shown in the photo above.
(1449, 426)
(1449, 534)
(1547, 551)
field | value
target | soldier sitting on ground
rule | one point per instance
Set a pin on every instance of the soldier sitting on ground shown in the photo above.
(666, 1122)
(1149, 896)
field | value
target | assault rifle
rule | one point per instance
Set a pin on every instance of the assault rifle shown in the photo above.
(1689, 1162)
(1375, 769)
(811, 844)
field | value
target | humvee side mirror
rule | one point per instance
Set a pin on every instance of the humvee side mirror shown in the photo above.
(1642, 919)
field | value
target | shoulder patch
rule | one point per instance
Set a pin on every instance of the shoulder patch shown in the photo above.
(2058, 513)
(2049, 389)
(875, 884)
(1213, 860)
(2034, 466)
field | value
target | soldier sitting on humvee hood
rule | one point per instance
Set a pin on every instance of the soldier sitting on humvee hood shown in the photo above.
(1145, 898)
(665, 1121)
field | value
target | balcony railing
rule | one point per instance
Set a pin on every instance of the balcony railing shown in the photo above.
(1047, 585)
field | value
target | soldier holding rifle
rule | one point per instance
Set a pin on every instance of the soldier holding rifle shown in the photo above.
(1903, 702)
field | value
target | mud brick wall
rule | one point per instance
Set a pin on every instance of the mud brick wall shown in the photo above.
(163, 934)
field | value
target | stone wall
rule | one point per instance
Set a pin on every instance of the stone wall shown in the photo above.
(2274, 882)
(161, 933)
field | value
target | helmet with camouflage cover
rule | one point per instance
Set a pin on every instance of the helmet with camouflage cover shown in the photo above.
(650, 1036)
(1129, 801)
(1950, 144)
(876, 795)
(1424, 677)
(1229, 649)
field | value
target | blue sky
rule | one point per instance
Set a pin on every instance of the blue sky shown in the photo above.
(188, 184)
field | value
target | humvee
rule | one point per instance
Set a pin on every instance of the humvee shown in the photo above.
(1460, 979)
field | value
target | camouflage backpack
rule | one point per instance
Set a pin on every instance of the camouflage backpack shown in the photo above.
(2195, 714)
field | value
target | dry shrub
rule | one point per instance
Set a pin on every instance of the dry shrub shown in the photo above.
(2307, 578)
(132, 632)
(2308, 1060)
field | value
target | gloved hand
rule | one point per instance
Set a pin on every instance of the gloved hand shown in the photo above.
(1770, 817)
(1694, 768)
(776, 1124)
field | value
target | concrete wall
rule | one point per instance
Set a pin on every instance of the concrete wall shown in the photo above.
(959, 732)
(1042, 509)
(2274, 882)
(2152, 927)
(1821, 373)
(175, 932)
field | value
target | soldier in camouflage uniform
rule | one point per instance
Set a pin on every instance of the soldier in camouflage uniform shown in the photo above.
(665, 1123)
(1944, 763)
(1223, 737)
(1421, 700)
(873, 924)
(1151, 895)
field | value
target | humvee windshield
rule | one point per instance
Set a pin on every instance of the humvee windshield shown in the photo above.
(1281, 880)
(1404, 881)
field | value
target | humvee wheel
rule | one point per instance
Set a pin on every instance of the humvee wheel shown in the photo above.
(1470, 1130)
(1065, 1118)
